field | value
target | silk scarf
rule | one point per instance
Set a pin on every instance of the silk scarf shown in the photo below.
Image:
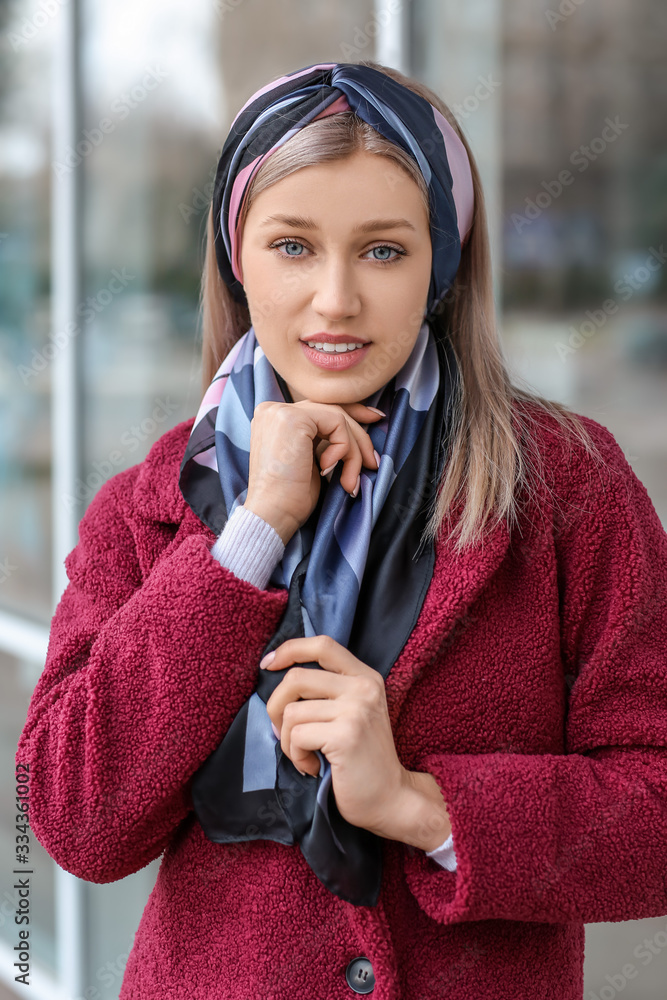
(358, 569)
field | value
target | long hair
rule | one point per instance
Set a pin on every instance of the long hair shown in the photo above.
(492, 455)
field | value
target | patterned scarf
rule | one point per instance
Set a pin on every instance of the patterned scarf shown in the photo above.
(358, 569)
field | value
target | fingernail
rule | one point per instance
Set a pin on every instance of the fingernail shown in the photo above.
(377, 457)
(275, 732)
(267, 660)
(376, 410)
(300, 771)
(356, 488)
(325, 472)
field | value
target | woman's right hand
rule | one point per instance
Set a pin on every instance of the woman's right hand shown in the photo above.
(290, 443)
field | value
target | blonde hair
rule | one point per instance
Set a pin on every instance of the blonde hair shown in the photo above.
(492, 455)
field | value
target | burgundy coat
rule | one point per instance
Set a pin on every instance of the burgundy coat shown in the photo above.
(533, 687)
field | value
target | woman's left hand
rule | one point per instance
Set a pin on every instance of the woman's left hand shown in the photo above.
(340, 710)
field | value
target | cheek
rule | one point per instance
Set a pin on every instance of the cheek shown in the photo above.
(403, 309)
(408, 286)
(269, 291)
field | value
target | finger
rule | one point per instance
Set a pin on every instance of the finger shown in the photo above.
(345, 439)
(303, 757)
(297, 714)
(351, 443)
(305, 682)
(366, 447)
(302, 683)
(363, 413)
(322, 649)
(344, 445)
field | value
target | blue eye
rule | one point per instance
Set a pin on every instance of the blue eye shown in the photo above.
(385, 259)
(297, 243)
(292, 243)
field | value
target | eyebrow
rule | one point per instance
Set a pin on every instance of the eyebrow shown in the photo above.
(371, 226)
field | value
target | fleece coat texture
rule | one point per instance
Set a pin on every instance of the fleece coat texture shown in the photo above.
(533, 687)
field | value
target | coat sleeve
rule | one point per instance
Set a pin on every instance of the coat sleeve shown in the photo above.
(579, 836)
(142, 679)
(249, 547)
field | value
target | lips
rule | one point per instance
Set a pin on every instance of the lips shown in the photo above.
(332, 360)
(333, 338)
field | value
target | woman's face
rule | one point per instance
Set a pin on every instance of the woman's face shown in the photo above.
(313, 273)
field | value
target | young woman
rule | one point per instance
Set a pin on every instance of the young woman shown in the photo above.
(453, 754)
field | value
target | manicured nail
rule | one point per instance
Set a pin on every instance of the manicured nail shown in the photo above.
(267, 660)
(275, 732)
(377, 457)
(325, 472)
(376, 410)
(356, 488)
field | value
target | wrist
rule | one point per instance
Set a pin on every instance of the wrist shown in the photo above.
(420, 817)
(284, 526)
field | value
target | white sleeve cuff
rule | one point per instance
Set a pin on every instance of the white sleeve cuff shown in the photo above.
(249, 547)
(444, 855)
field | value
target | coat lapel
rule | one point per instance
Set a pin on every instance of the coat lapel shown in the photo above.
(457, 581)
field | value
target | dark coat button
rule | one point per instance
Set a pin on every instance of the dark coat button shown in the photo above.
(359, 975)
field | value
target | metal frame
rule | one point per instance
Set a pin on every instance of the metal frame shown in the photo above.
(392, 45)
(18, 636)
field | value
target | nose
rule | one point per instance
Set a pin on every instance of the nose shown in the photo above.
(335, 293)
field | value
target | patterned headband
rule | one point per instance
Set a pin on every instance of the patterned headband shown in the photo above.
(279, 110)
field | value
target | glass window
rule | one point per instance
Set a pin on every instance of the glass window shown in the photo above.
(564, 106)
(152, 112)
(585, 212)
(25, 516)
